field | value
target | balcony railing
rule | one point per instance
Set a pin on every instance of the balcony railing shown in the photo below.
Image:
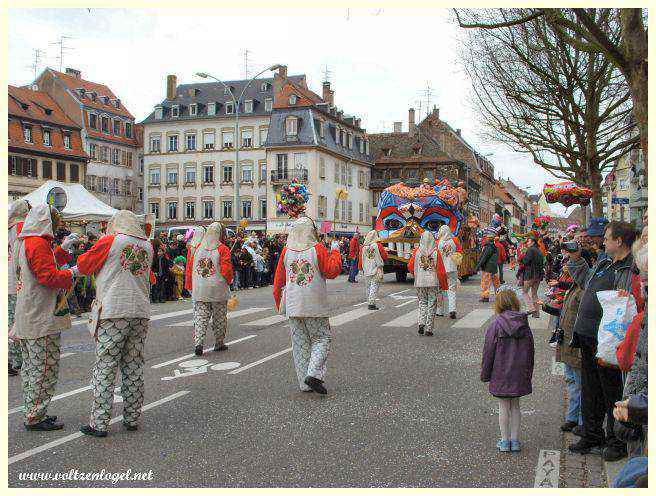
(281, 176)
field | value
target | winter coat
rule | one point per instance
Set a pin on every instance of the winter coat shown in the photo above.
(571, 356)
(508, 356)
(533, 263)
(489, 259)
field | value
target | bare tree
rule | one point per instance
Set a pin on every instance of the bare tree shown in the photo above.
(570, 109)
(592, 31)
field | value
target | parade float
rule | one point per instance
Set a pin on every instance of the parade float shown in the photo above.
(405, 212)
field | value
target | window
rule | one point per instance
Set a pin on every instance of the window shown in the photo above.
(191, 141)
(61, 171)
(172, 210)
(350, 211)
(102, 184)
(349, 141)
(227, 209)
(263, 209)
(248, 107)
(293, 99)
(155, 144)
(175, 112)
(211, 108)
(154, 177)
(46, 169)
(321, 130)
(322, 168)
(208, 209)
(230, 108)
(350, 175)
(246, 209)
(117, 127)
(264, 131)
(395, 173)
(247, 138)
(299, 161)
(343, 174)
(141, 197)
(105, 124)
(360, 212)
(93, 150)
(228, 139)
(361, 179)
(227, 173)
(291, 127)
(263, 169)
(281, 166)
(322, 207)
(159, 112)
(115, 154)
(104, 153)
(67, 140)
(246, 173)
(93, 121)
(22, 166)
(337, 136)
(116, 188)
(264, 87)
(141, 165)
(154, 209)
(171, 177)
(128, 161)
(193, 109)
(337, 169)
(75, 173)
(208, 140)
(343, 202)
(268, 104)
(128, 130)
(190, 174)
(190, 210)
(173, 143)
(27, 133)
(412, 173)
(342, 137)
(208, 174)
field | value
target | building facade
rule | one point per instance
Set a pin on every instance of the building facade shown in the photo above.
(108, 134)
(312, 140)
(43, 143)
(522, 200)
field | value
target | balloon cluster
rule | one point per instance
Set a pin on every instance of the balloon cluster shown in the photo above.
(567, 193)
(292, 199)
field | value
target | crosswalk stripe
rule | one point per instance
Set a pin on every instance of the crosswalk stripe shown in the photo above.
(345, 317)
(406, 320)
(265, 359)
(54, 398)
(474, 319)
(231, 315)
(179, 359)
(274, 319)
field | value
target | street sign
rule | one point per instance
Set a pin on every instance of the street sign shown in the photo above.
(620, 201)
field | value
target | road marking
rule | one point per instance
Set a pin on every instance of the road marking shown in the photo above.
(407, 320)
(64, 355)
(159, 316)
(345, 317)
(265, 359)
(58, 397)
(474, 319)
(398, 292)
(557, 368)
(267, 321)
(548, 468)
(404, 304)
(75, 435)
(230, 315)
(179, 359)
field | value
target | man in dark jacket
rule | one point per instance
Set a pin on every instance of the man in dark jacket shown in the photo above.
(602, 386)
(353, 257)
(488, 263)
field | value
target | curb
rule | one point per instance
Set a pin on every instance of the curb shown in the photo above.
(612, 469)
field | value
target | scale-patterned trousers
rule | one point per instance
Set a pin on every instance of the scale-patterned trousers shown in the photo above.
(15, 357)
(449, 303)
(119, 346)
(371, 289)
(39, 375)
(210, 314)
(310, 346)
(428, 299)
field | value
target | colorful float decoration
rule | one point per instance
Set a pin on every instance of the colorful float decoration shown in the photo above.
(292, 199)
(567, 193)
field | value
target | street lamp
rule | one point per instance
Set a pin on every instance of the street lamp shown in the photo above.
(236, 102)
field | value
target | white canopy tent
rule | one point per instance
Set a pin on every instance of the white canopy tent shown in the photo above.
(81, 205)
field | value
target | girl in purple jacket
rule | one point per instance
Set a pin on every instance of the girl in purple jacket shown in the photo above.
(508, 364)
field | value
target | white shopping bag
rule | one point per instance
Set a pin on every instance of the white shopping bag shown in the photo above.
(618, 314)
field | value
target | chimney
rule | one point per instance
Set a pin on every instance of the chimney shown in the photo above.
(74, 72)
(398, 127)
(171, 86)
(282, 71)
(357, 122)
(411, 122)
(458, 131)
(436, 111)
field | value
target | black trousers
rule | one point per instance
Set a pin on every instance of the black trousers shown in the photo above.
(601, 387)
(501, 273)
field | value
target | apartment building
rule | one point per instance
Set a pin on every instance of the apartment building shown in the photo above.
(43, 143)
(107, 130)
(312, 140)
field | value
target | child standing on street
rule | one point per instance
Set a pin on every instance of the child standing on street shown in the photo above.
(507, 364)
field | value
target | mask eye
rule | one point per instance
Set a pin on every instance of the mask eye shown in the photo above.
(392, 224)
(433, 225)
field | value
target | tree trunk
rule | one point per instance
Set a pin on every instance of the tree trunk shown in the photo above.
(595, 181)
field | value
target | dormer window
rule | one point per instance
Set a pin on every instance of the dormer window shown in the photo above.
(228, 89)
(159, 112)
(291, 127)
(105, 100)
(230, 108)
(27, 133)
(193, 109)
(248, 106)
(211, 108)
(417, 150)
(293, 99)
(387, 152)
(81, 92)
(268, 104)
(93, 96)
(265, 86)
(117, 103)
(175, 111)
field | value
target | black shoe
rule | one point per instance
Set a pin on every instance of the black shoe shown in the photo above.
(316, 385)
(198, 351)
(372, 307)
(307, 391)
(130, 427)
(421, 329)
(51, 418)
(45, 425)
(90, 431)
(568, 426)
(12, 371)
(614, 453)
(222, 347)
(428, 333)
(578, 431)
(452, 315)
(583, 447)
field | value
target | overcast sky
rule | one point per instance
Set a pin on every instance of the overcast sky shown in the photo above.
(381, 61)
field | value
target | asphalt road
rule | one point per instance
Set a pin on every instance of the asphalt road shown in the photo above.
(403, 410)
